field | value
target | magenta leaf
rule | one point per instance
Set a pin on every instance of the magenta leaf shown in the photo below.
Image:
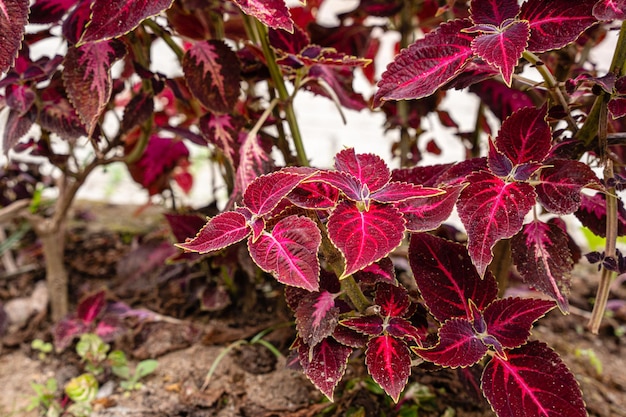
(74, 24)
(212, 73)
(403, 329)
(350, 337)
(525, 136)
(503, 47)
(13, 20)
(90, 307)
(254, 161)
(560, 185)
(369, 169)
(393, 300)
(556, 23)
(220, 231)
(427, 64)
(316, 317)
(540, 252)
(380, 271)
(389, 363)
(493, 12)
(369, 325)
(447, 279)
(265, 192)
(458, 345)
(324, 364)
(492, 209)
(114, 18)
(87, 78)
(592, 214)
(273, 13)
(423, 214)
(532, 381)
(289, 252)
(49, 11)
(314, 195)
(509, 320)
(222, 130)
(400, 191)
(364, 237)
(610, 10)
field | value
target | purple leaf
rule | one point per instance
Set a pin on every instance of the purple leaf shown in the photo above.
(110, 19)
(74, 24)
(532, 381)
(49, 11)
(393, 300)
(610, 10)
(369, 325)
(110, 327)
(493, 12)
(560, 185)
(592, 214)
(87, 78)
(16, 127)
(289, 252)
(389, 363)
(503, 47)
(324, 364)
(509, 320)
(264, 193)
(525, 136)
(427, 64)
(491, 209)
(555, 23)
(540, 252)
(273, 13)
(138, 110)
(369, 169)
(458, 345)
(222, 131)
(403, 329)
(423, 214)
(316, 317)
(90, 307)
(447, 279)
(20, 98)
(13, 19)
(212, 73)
(364, 237)
(219, 232)
(498, 163)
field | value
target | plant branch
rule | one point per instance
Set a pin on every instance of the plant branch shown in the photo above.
(166, 36)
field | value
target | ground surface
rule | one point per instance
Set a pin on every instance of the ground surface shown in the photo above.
(109, 248)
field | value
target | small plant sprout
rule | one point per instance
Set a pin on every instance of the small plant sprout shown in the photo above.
(120, 368)
(43, 348)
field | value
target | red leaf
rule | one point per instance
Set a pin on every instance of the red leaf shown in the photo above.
(212, 73)
(369, 169)
(254, 161)
(222, 130)
(427, 64)
(339, 79)
(65, 331)
(349, 337)
(555, 23)
(74, 24)
(87, 78)
(316, 317)
(392, 300)
(219, 232)
(324, 364)
(139, 109)
(458, 345)
(447, 279)
(314, 196)
(13, 20)
(114, 18)
(273, 13)
(380, 271)
(49, 11)
(617, 107)
(525, 136)
(289, 252)
(592, 214)
(490, 210)
(16, 127)
(533, 381)
(364, 237)
(183, 225)
(501, 100)
(423, 214)
(561, 183)
(369, 325)
(610, 10)
(403, 329)
(90, 307)
(503, 47)
(401, 191)
(389, 363)
(540, 252)
(493, 12)
(264, 193)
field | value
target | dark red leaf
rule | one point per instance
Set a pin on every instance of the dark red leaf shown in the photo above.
(617, 107)
(540, 252)
(264, 193)
(447, 279)
(13, 19)
(74, 24)
(532, 381)
(555, 23)
(64, 332)
(90, 307)
(212, 73)
(509, 320)
(493, 12)
(428, 176)
(87, 78)
(592, 214)
(214, 298)
(340, 80)
(490, 210)
(273, 13)
(364, 237)
(503, 47)
(369, 169)
(314, 195)
(403, 329)
(347, 183)
(501, 100)
(289, 42)
(393, 300)
(369, 325)
(423, 214)
(254, 161)
(427, 64)
(19, 97)
(114, 18)
(561, 183)
(316, 317)
(222, 130)
(458, 345)
(184, 225)
(219, 232)
(16, 127)
(349, 337)
(324, 364)
(289, 252)
(610, 10)
(389, 363)
(139, 109)
(525, 136)
(499, 163)
(401, 191)
(49, 11)
(380, 271)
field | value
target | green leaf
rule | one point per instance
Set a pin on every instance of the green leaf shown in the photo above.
(145, 367)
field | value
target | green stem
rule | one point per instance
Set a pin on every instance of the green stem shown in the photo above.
(353, 291)
(165, 35)
(283, 94)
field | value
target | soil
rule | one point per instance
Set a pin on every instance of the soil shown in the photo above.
(193, 332)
